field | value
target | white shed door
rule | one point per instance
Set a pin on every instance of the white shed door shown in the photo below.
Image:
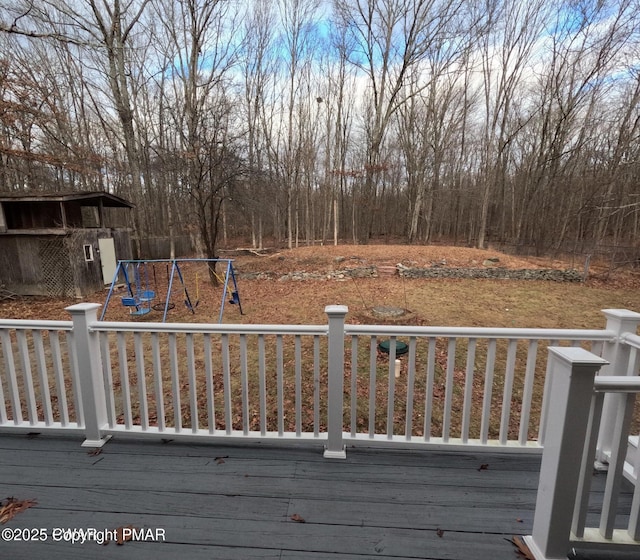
(107, 259)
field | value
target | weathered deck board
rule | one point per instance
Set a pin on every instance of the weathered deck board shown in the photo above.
(236, 502)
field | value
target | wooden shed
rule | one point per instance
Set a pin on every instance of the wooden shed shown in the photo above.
(61, 244)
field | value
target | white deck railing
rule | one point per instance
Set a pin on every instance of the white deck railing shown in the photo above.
(477, 387)
(39, 377)
(577, 408)
(212, 380)
(465, 397)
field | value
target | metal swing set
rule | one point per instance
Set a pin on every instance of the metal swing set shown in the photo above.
(134, 274)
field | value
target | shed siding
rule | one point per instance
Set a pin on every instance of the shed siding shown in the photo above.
(55, 265)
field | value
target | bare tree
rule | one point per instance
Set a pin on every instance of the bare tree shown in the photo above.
(582, 54)
(389, 38)
(296, 17)
(258, 67)
(104, 29)
(199, 34)
(505, 55)
(337, 101)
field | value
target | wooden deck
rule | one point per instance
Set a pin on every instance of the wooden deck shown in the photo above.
(238, 502)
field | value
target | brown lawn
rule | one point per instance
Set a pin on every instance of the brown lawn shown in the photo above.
(438, 302)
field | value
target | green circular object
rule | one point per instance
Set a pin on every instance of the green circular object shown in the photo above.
(401, 347)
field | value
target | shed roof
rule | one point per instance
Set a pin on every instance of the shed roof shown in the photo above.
(85, 198)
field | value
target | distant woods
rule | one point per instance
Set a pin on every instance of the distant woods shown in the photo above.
(312, 121)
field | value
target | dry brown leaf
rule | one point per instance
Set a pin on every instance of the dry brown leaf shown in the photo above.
(297, 518)
(12, 507)
(439, 532)
(95, 451)
(121, 538)
(523, 550)
(483, 467)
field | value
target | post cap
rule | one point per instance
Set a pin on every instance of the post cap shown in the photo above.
(624, 314)
(335, 310)
(576, 355)
(82, 307)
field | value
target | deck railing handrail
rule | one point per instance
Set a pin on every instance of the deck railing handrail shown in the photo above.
(208, 328)
(36, 325)
(632, 340)
(602, 335)
(616, 384)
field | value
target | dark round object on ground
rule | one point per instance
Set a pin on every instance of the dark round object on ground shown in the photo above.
(401, 347)
(160, 306)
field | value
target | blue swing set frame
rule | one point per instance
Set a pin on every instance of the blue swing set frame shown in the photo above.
(140, 300)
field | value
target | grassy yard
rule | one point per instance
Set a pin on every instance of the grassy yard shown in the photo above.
(490, 303)
(498, 303)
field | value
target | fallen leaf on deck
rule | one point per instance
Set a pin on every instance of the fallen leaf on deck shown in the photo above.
(439, 532)
(95, 451)
(121, 538)
(220, 460)
(12, 507)
(483, 467)
(523, 550)
(519, 519)
(297, 518)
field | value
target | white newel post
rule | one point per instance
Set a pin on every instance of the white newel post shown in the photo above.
(573, 371)
(87, 350)
(335, 447)
(620, 321)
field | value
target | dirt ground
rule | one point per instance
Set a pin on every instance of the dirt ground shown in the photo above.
(329, 257)
(441, 301)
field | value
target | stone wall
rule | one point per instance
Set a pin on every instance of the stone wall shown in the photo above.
(497, 273)
(431, 272)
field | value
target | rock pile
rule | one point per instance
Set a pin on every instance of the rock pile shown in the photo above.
(554, 275)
